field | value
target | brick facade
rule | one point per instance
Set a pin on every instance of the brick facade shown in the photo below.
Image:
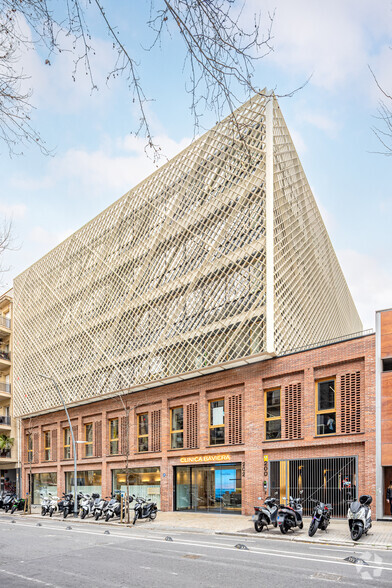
(350, 363)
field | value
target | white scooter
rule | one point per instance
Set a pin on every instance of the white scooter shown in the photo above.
(359, 516)
(48, 504)
(86, 505)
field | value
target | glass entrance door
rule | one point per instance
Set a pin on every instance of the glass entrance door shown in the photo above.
(208, 488)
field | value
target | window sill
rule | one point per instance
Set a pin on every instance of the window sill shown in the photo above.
(282, 440)
(338, 435)
(224, 445)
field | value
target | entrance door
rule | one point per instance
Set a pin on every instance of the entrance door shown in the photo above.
(329, 480)
(208, 488)
(387, 479)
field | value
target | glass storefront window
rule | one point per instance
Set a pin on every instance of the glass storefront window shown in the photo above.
(208, 488)
(88, 439)
(143, 482)
(113, 436)
(88, 481)
(44, 483)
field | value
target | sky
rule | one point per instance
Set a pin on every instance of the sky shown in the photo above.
(96, 160)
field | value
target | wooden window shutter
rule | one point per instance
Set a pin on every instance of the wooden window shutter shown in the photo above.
(54, 445)
(36, 454)
(124, 436)
(98, 438)
(234, 419)
(155, 442)
(350, 403)
(292, 411)
(192, 426)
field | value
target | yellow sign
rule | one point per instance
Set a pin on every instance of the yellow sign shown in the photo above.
(266, 458)
(205, 458)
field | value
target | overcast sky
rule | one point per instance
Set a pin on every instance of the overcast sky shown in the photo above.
(96, 159)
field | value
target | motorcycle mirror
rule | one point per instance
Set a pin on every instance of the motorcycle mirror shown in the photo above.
(301, 491)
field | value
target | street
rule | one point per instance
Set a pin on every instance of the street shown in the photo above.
(50, 553)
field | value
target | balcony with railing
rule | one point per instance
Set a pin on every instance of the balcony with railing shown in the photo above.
(5, 454)
(5, 421)
(5, 359)
(5, 390)
(5, 324)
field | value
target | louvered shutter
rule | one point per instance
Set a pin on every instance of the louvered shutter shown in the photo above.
(234, 419)
(124, 434)
(54, 445)
(292, 411)
(98, 438)
(36, 455)
(155, 443)
(192, 426)
(350, 403)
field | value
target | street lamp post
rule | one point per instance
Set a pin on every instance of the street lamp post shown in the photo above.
(73, 440)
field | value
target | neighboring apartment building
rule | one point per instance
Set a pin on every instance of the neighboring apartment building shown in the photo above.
(9, 473)
(384, 409)
(218, 260)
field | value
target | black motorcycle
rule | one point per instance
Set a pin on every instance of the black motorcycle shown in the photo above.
(68, 504)
(320, 518)
(144, 509)
(8, 501)
(266, 515)
(290, 516)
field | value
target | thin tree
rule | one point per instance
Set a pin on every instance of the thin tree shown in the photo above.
(383, 127)
(220, 50)
(126, 448)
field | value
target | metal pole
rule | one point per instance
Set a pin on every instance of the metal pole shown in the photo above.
(73, 440)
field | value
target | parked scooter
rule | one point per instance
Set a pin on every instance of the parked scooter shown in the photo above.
(113, 507)
(86, 504)
(68, 504)
(290, 516)
(100, 507)
(144, 509)
(8, 501)
(266, 515)
(359, 516)
(320, 518)
(18, 504)
(45, 503)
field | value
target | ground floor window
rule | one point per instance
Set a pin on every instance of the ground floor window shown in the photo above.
(329, 480)
(88, 481)
(208, 488)
(43, 484)
(143, 482)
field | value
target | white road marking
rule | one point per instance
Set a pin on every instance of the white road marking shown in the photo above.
(260, 551)
(27, 578)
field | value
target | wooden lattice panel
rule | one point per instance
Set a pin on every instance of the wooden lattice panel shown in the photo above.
(192, 424)
(98, 438)
(155, 430)
(292, 411)
(234, 419)
(312, 300)
(172, 277)
(54, 444)
(350, 403)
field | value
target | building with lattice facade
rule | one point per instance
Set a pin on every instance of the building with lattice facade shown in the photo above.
(220, 258)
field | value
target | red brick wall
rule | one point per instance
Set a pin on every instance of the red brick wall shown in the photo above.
(248, 381)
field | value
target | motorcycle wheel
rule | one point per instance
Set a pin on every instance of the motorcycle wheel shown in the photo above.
(356, 532)
(283, 528)
(65, 513)
(313, 528)
(6, 509)
(301, 525)
(83, 514)
(50, 512)
(107, 517)
(153, 515)
(43, 512)
(97, 515)
(13, 509)
(134, 518)
(260, 524)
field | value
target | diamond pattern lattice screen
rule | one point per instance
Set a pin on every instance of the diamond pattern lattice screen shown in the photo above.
(167, 280)
(312, 300)
(171, 278)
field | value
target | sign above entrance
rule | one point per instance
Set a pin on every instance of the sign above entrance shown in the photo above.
(205, 458)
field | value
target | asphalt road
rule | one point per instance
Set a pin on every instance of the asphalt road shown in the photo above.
(83, 556)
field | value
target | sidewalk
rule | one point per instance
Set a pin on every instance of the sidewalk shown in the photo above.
(379, 536)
